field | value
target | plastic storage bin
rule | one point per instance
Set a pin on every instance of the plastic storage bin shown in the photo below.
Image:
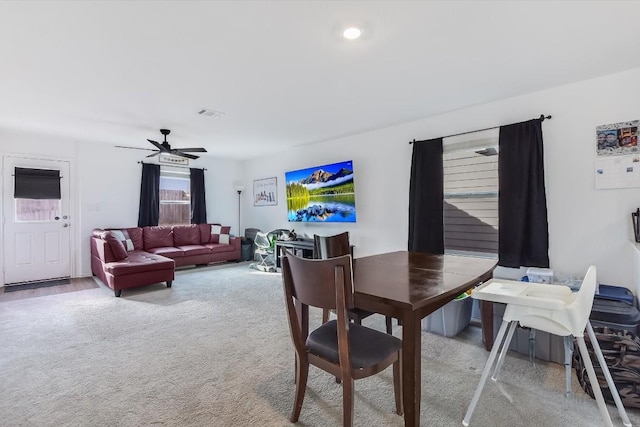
(615, 293)
(616, 323)
(539, 275)
(616, 314)
(450, 319)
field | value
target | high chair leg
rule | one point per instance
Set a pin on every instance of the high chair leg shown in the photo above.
(485, 373)
(568, 357)
(605, 369)
(586, 359)
(505, 349)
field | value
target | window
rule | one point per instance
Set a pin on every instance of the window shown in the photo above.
(37, 194)
(471, 195)
(175, 196)
(37, 210)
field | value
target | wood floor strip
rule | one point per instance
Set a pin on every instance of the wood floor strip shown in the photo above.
(77, 284)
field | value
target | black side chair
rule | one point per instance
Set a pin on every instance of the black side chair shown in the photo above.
(344, 349)
(332, 246)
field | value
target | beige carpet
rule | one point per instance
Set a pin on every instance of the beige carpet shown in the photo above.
(215, 350)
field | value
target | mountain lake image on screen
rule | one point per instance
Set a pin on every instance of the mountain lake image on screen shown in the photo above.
(321, 194)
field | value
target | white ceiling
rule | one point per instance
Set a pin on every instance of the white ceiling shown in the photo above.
(116, 72)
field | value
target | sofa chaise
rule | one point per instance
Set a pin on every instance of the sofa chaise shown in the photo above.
(139, 256)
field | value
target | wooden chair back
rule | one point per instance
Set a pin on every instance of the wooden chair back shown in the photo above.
(313, 282)
(331, 246)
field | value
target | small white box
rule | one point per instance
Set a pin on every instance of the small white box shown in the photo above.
(539, 275)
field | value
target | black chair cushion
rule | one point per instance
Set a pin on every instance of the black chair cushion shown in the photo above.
(368, 346)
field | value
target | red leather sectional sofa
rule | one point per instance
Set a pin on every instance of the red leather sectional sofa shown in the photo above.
(138, 256)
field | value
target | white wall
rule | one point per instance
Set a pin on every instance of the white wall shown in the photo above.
(105, 185)
(586, 226)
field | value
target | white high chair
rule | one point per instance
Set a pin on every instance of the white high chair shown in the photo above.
(556, 310)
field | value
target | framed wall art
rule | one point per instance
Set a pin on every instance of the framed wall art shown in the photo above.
(265, 192)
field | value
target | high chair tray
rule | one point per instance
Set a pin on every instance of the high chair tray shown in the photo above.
(523, 293)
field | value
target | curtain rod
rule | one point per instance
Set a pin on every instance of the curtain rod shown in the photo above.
(173, 166)
(542, 117)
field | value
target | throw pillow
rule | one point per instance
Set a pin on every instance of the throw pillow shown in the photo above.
(216, 231)
(115, 244)
(224, 239)
(123, 236)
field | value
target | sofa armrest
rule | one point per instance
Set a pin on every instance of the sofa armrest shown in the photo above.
(101, 250)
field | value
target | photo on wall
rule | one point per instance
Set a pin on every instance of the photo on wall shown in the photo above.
(321, 193)
(265, 192)
(617, 155)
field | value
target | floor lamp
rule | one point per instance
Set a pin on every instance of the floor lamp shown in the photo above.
(239, 189)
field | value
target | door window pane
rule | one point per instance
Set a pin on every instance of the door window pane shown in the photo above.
(37, 210)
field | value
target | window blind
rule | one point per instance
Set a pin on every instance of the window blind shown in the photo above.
(471, 200)
(37, 184)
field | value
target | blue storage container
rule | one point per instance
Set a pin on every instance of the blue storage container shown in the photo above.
(615, 293)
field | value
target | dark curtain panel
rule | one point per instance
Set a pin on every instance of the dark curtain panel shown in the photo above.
(524, 234)
(37, 184)
(426, 230)
(149, 212)
(198, 203)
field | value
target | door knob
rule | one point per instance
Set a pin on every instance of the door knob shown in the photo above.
(64, 217)
(65, 225)
(57, 218)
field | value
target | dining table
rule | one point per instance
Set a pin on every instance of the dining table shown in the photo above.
(409, 286)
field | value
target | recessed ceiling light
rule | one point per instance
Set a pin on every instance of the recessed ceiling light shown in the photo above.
(352, 33)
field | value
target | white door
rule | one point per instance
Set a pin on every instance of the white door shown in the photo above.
(36, 231)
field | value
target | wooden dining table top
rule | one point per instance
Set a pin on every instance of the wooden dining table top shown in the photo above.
(409, 286)
(414, 280)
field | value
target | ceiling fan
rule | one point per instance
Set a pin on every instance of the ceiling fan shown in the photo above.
(164, 147)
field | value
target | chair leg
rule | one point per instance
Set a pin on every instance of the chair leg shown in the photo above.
(388, 321)
(607, 375)
(586, 359)
(505, 348)
(302, 372)
(325, 315)
(485, 373)
(568, 358)
(397, 383)
(347, 402)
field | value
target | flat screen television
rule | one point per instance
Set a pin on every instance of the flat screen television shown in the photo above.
(321, 194)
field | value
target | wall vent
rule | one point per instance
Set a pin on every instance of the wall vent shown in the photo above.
(211, 113)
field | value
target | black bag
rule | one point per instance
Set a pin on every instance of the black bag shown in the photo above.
(621, 351)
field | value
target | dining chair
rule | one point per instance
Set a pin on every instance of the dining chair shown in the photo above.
(332, 246)
(345, 350)
(554, 309)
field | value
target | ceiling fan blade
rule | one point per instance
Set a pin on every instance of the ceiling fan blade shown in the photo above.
(177, 152)
(193, 150)
(134, 148)
(157, 144)
(154, 154)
